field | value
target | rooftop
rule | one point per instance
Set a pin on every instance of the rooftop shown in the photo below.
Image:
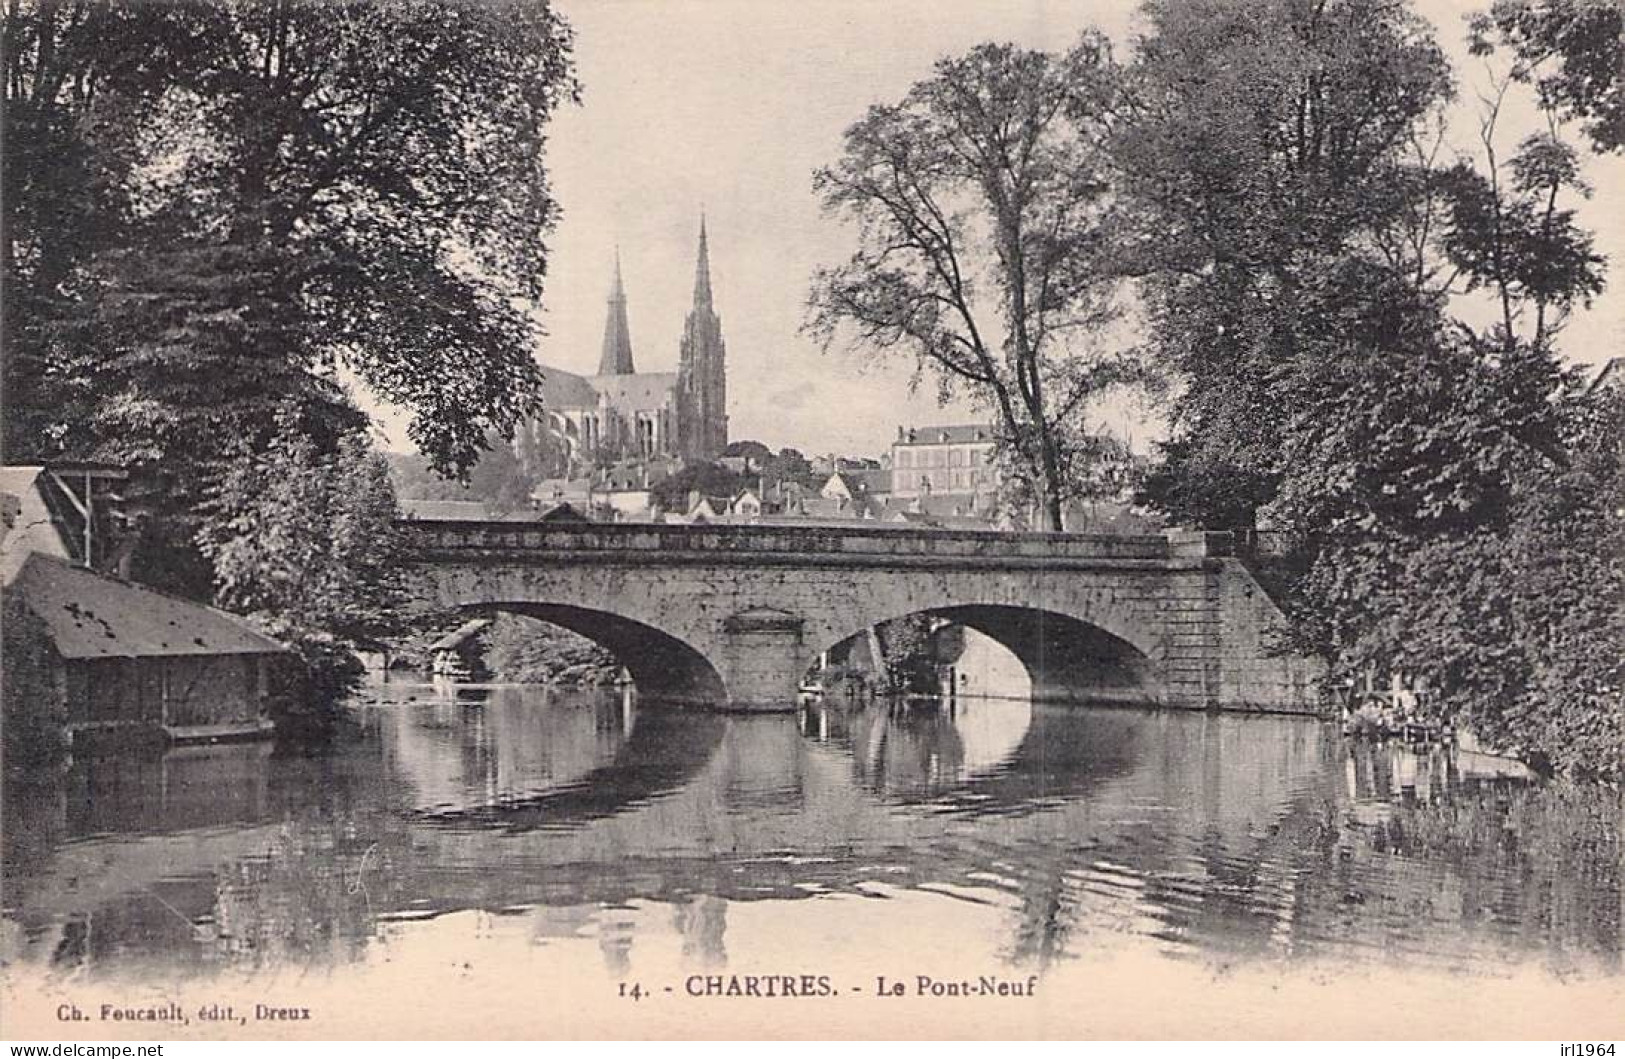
(649, 389)
(953, 434)
(563, 389)
(91, 616)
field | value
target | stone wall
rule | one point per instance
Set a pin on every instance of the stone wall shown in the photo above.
(739, 613)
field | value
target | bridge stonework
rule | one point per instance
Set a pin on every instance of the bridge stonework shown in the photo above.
(733, 616)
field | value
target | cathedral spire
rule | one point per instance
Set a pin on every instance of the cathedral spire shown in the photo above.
(702, 272)
(702, 375)
(616, 358)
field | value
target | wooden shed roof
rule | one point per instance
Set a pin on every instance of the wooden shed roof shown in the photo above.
(91, 616)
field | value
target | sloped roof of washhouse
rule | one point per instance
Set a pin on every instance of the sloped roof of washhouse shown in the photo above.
(91, 616)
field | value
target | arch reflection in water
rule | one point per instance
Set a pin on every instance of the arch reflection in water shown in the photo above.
(560, 820)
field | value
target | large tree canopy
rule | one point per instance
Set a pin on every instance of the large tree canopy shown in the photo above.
(214, 207)
(1309, 283)
(986, 247)
(1265, 141)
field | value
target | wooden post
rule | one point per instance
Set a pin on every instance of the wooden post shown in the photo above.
(90, 518)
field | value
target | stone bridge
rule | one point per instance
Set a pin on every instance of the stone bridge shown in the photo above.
(733, 616)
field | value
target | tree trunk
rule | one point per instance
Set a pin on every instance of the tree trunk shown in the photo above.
(1050, 477)
(1053, 514)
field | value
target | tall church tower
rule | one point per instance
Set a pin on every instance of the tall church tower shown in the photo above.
(616, 358)
(702, 382)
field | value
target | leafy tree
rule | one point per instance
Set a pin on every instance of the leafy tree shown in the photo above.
(1093, 466)
(415, 480)
(1573, 51)
(306, 545)
(1198, 483)
(986, 240)
(753, 450)
(78, 78)
(1266, 143)
(1447, 499)
(788, 465)
(500, 479)
(710, 479)
(28, 675)
(1468, 560)
(909, 650)
(213, 208)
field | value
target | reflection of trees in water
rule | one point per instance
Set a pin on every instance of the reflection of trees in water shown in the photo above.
(516, 744)
(907, 749)
(1450, 867)
(616, 930)
(923, 746)
(1043, 924)
(665, 749)
(701, 921)
(1472, 873)
(1211, 834)
(313, 897)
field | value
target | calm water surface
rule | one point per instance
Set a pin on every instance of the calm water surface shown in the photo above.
(520, 823)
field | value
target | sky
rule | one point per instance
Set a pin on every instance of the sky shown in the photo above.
(727, 106)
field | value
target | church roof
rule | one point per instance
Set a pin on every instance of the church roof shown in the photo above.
(563, 389)
(649, 389)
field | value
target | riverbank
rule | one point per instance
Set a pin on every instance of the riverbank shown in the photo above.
(515, 649)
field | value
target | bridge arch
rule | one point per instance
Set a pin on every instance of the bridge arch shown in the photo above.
(664, 666)
(741, 610)
(1067, 657)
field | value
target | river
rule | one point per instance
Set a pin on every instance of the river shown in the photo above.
(473, 829)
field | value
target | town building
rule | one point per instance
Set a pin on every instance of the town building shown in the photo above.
(933, 461)
(621, 413)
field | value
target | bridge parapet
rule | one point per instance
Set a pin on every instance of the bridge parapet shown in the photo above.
(1200, 543)
(667, 540)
